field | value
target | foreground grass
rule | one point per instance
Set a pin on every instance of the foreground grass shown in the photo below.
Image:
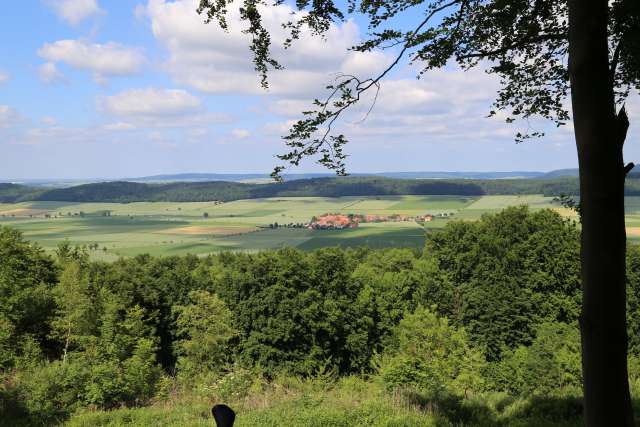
(350, 402)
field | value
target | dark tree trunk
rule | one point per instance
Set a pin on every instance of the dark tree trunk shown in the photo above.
(599, 140)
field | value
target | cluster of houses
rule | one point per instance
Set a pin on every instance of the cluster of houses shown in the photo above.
(341, 221)
(332, 222)
(395, 218)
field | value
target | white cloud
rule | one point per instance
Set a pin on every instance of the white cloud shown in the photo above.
(104, 60)
(213, 61)
(60, 135)
(289, 107)
(3, 76)
(140, 11)
(9, 117)
(118, 126)
(197, 132)
(446, 107)
(151, 102)
(75, 11)
(49, 73)
(49, 121)
(240, 133)
(151, 107)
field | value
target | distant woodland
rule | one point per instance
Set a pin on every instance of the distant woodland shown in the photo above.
(125, 192)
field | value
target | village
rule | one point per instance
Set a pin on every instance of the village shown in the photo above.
(334, 221)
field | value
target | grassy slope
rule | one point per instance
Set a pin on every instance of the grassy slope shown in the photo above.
(352, 402)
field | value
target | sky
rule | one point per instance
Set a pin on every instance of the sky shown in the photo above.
(126, 88)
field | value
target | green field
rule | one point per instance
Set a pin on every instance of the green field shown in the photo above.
(164, 228)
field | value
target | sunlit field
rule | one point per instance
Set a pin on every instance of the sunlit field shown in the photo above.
(158, 228)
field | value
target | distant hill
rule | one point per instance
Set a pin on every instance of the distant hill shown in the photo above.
(11, 193)
(462, 175)
(196, 191)
(265, 178)
(124, 191)
(560, 173)
(203, 177)
(206, 177)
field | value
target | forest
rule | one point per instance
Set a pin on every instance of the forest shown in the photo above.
(126, 192)
(478, 328)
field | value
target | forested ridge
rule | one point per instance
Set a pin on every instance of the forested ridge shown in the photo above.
(488, 308)
(124, 192)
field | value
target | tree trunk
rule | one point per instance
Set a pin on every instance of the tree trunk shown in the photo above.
(599, 140)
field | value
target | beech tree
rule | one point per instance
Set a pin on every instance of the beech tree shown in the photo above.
(525, 43)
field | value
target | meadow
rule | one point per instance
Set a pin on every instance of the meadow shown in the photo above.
(347, 402)
(172, 228)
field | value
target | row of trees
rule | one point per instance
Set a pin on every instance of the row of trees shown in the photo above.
(490, 305)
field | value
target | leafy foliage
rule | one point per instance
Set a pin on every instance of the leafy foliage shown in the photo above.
(524, 43)
(75, 314)
(206, 325)
(550, 365)
(26, 304)
(512, 271)
(508, 285)
(431, 356)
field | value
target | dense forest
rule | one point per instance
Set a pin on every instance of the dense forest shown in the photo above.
(124, 192)
(487, 308)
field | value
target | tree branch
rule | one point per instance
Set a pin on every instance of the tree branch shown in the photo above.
(349, 95)
(410, 39)
(519, 45)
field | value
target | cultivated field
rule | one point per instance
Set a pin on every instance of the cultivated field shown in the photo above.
(178, 228)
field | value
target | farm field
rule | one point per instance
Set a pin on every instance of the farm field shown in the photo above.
(163, 228)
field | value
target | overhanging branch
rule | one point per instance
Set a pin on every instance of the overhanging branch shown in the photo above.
(350, 91)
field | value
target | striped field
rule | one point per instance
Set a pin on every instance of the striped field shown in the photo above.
(177, 228)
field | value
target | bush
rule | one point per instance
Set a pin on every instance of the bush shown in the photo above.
(52, 391)
(432, 357)
(206, 328)
(132, 381)
(550, 366)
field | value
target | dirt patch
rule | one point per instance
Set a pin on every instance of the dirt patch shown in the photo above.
(204, 230)
(633, 231)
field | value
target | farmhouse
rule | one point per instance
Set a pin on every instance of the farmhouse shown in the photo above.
(333, 222)
(340, 221)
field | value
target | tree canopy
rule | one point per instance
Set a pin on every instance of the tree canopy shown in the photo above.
(524, 42)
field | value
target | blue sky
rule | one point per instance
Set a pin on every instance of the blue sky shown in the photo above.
(119, 88)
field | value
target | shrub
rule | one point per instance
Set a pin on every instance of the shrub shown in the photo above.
(52, 391)
(131, 381)
(431, 356)
(206, 328)
(550, 366)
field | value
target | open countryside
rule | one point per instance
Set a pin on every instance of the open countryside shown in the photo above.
(113, 230)
(393, 213)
